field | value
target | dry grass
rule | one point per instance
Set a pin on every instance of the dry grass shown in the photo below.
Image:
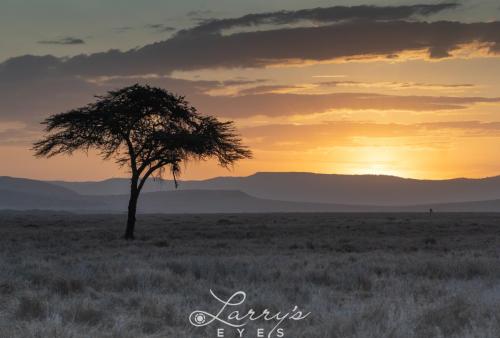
(368, 275)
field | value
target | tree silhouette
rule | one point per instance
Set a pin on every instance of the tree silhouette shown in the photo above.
(145, 128)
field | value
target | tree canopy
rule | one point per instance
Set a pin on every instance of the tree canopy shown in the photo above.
(145, 129)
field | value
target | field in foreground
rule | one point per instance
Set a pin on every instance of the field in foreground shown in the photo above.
(360, 275)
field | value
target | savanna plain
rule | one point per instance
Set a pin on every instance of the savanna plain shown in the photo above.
(360, 275)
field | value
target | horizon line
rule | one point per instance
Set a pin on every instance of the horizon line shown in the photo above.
(254, 174)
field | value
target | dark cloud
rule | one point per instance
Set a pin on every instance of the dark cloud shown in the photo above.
(320, 15)
(33, 86)
(258, 49)
(31, 95)
(289, 104)
(63, 41)
(324, 43)
(160, 28)
(204, 46)
(156, 27)
(35, 97)
(34, 94)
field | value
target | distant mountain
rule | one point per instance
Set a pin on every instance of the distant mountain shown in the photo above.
(321, 188)
(23, 194)
(18, 200)
(118, 186)
(23, 185)
(112, 186)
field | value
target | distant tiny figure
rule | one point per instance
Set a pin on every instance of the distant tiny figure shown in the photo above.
(430, 211)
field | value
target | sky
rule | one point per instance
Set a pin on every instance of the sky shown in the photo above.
(403, 88)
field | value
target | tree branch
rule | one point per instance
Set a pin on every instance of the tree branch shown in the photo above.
(148, 173)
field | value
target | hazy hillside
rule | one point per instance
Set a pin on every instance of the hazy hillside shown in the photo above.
(18, 200)
(184, 201)
(23, 185)
(22, 194)
(322, 188)
(217, 196)
(218, 201)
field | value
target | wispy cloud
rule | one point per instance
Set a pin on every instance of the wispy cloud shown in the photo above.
(287, 104)
(123, 29)
(399, 85)
(63, 41)
(160, 28)
(349, 133)
(329, 76)
(200, 15)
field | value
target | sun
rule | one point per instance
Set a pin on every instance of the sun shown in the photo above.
(379, 160)
(378, 169)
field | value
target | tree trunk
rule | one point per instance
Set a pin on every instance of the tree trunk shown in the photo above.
(132, 208)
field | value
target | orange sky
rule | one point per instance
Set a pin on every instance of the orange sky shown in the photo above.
(408, 114)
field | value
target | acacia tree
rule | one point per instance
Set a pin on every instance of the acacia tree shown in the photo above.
(146, 129)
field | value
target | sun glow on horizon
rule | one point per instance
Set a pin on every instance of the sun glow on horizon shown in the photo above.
(378, 169)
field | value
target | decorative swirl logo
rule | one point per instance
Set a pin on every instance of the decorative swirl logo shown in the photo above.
(237, 319)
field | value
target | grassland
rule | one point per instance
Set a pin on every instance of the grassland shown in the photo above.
(360, 275)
